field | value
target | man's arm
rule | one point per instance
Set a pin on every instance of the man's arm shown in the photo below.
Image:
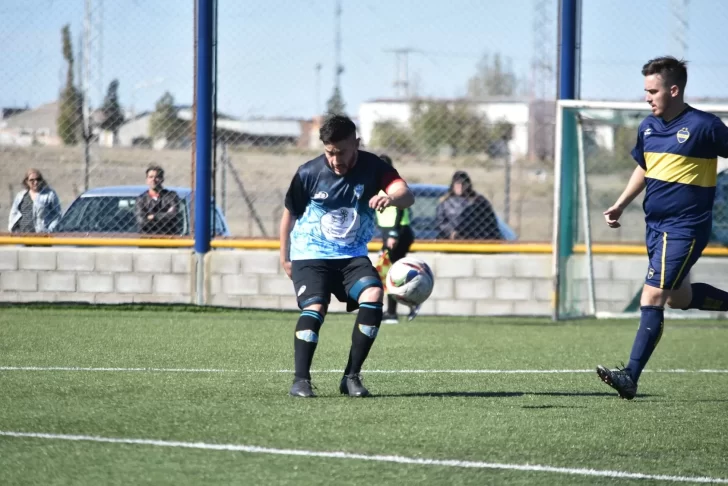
(400, 194)
(634, 187)
(172, 203)
(139, 211)
(287, 221)
(397, 194)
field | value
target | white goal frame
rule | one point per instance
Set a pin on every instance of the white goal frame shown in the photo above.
(583, 197)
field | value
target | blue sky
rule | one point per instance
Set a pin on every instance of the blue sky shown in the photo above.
(268, 49)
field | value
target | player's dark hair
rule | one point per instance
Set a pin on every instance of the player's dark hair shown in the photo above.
(672, 70)
(160, 171)
(336, 128)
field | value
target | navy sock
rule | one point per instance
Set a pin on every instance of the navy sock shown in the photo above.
(365, 331)
(645, 342)
(707, 297)
(305, 341)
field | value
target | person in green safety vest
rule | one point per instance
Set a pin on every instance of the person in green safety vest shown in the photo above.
(397, 237)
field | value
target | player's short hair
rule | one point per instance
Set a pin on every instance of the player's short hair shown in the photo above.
(673, 71)
(160, 171)
(336, 128)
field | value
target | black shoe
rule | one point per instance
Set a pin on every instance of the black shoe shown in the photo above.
(390, 319)
(620, 380)
(302, 388)
(351, 385)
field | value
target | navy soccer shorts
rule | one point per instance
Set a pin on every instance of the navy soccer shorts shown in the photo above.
(671, 258)
(316, 280)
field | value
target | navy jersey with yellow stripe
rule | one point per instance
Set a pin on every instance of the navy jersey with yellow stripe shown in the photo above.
(680, 162)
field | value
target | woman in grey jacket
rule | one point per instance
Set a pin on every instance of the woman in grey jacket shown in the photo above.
(36, 209)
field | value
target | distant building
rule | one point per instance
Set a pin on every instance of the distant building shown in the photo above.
(260, 132)
(532, 134)
(31, 127)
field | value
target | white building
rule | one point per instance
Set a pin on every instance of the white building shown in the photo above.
(36, 126)
(515, 112)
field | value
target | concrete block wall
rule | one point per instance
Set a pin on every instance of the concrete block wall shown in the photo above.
(499, 284)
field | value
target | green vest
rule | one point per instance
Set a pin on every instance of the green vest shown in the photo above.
(388, 217)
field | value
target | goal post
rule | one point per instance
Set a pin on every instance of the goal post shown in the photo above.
(591, 135)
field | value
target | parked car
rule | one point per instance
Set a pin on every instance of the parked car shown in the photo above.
(424, 213)
(111, 210)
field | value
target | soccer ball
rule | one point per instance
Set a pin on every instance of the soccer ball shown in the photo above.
(410, 281)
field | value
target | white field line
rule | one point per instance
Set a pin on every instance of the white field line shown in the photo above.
(373, 458)
(414, 371)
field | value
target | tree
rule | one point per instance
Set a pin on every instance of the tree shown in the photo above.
(335, 105)
(456, 126)
(111, 109)
(70, 111)
(390, 136)
(492, 79)
(432, 126)
(164, 122)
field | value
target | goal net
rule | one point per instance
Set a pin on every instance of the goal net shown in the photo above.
(592, 166)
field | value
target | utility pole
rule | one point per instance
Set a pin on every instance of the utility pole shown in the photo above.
(91, 73)
(338, 68)
(317, 94)
(401, 80)
(680, 32)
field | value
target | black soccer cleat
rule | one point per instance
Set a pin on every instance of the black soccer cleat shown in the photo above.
(302, 388)
(620, 380)
(390, 319)
(351, 385)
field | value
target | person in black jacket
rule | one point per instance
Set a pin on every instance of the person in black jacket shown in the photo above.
(463, 214)
(157, 210)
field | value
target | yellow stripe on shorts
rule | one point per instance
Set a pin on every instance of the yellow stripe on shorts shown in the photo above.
(664, 252)
(690, 252)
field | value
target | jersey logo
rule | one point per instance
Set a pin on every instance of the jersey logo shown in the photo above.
(358, 190)
(320, 195)
(650, 272)
(683, 135)
(648, 132)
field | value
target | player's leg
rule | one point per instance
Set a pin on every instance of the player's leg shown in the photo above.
(310, 281)
(364, 289)
(655, 292)
(406, 237)
(698, 295)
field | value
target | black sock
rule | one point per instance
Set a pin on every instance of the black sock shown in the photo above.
(645, 342)
(707, 297)
(391, 306)
(365, 331)
(305, 341)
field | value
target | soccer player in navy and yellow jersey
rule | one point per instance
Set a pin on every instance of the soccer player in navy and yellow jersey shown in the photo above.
(676, 154)
(326, 224)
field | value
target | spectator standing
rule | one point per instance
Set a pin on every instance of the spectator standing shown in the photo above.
(35, 209)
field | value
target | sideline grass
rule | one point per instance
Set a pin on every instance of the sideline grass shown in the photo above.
(676, 426)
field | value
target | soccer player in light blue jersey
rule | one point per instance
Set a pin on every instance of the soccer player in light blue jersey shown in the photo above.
(328, 220)
(676, 154)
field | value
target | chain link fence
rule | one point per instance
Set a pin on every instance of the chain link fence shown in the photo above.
(614, 49)
(95, 92)
(440, 87)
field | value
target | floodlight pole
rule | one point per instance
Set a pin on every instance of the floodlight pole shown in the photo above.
(203, 141)
(564, 234)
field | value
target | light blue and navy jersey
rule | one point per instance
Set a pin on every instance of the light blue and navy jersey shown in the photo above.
(680, 162)
(333, 217)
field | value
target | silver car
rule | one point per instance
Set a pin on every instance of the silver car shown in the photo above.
(111, 210)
